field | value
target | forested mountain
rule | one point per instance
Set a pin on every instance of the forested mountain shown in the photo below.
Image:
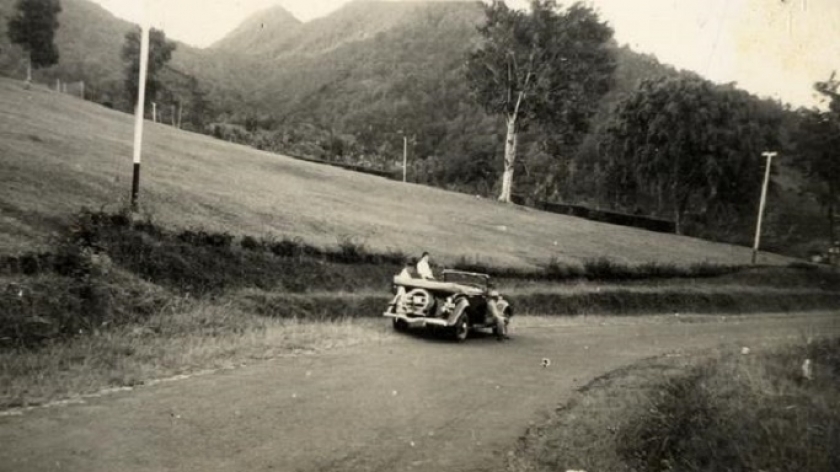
(359, 79)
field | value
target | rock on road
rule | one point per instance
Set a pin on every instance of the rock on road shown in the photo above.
(414, 404)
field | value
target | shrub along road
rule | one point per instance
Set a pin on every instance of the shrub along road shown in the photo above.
(416, 403)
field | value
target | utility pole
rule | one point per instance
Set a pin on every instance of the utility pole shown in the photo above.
(154, 112)
(139, 112)
(769, 155)
(405, 158)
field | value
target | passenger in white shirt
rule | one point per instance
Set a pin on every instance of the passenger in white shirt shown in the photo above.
(424, 271)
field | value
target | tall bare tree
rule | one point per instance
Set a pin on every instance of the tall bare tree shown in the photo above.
(547, 65)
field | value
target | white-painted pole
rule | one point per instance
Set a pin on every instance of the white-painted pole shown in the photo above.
(405, 159)
(154, 112)
(139, 112)
(769, 156)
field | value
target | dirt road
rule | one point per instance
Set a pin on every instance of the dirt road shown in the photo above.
(414, 404)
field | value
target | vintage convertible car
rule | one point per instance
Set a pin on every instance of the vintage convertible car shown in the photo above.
(458, 303)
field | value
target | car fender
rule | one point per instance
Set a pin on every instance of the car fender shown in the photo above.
(461, 304)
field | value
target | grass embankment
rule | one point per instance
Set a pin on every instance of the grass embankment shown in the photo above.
(109, 269)
(727, 411)
(60, 154)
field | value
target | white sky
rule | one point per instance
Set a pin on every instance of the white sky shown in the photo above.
(772, 48)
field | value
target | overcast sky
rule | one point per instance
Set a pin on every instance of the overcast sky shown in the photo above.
(773, 48)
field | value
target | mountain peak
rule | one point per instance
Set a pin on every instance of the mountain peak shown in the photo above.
(259, 28)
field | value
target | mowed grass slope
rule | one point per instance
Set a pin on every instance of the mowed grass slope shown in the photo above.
(58, 153)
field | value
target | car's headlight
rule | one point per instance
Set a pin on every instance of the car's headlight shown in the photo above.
(448, 305)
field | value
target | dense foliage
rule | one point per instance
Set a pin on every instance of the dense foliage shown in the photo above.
(690, 145)
(160, 52)
(818, 141)
(33, 27)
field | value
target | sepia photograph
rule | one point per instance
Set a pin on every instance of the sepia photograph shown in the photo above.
(419, 235)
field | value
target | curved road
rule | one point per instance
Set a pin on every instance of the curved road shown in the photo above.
(414, 404)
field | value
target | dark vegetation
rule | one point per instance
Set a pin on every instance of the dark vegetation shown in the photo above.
(727, 412)
(111, 270)
(712, 418)
(33, 27)
(160, 53)
(686, 145)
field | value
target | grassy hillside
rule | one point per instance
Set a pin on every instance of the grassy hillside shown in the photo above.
(59, 153)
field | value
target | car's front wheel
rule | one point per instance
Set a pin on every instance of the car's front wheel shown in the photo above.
(462, 328)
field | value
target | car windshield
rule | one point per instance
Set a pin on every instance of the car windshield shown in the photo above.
(466, 278)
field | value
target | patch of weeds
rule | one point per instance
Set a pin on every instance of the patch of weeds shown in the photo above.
(721, 411)
(743, 413)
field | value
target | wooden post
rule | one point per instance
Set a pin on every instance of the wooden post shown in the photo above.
(154, 112)
(405, 158)
(138, 115)
(29, 71)
(769, 156)
(174, 123)
(180, 110)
